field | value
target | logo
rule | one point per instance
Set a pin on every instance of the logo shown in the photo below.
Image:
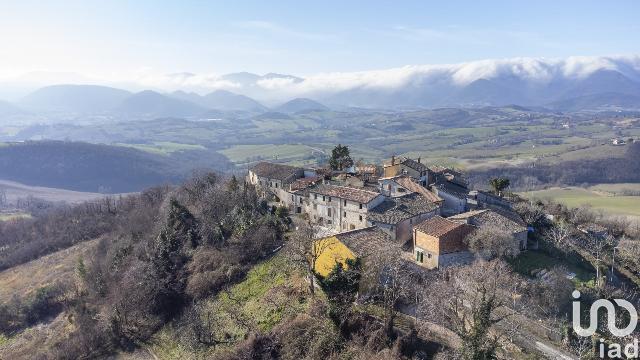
(611, 317)
(614, 350)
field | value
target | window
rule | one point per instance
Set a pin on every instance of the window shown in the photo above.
(276, 185)
(410, 221)
(329, 198)
(344, 214)
(315, 196)
(345, 203)
(324, 198)
(293, 198)
(328, 221)
(352, 227)
(360, 206)
(329, 212)
(360, 217)
(420, 256)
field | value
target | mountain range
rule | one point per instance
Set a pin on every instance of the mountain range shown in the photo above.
(566, 85)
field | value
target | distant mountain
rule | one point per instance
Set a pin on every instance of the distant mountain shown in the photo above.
(597, 101)
(300, 105)
(150, 104)
(92, 99)
(222, 100)
(8, 109)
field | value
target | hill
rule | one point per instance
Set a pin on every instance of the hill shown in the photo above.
(300, 105)
(83, 167)
(222, 100)
(74, 99)
(150, 104)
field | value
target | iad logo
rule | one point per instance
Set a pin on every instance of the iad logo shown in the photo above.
(611, 317)
(613, 350)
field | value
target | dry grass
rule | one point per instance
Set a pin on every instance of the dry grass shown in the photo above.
(23, 279)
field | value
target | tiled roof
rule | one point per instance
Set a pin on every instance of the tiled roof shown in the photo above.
(490, 218)
(367, 241)
(274, 171)
(409, 184)
(438, 226)
(303, 183)
(420, 167)
(345, 192)
(453, 189)
(395, 210)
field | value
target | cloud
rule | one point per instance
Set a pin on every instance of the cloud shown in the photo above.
(540, 70)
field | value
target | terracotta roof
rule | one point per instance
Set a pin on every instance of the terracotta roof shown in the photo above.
(420, 167)
(303, 183)
(345, 192)
(490, 218)
(274, 171)
(367, 241)
(438, 226)
(409, 184)
(395, 210)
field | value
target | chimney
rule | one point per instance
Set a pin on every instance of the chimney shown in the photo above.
(418, 160)
(393, 160)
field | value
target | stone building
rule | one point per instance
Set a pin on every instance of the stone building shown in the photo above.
(496, 219)
(275, 179)
(397, 215)
(439, 242)
(340, 207)
(405, 166)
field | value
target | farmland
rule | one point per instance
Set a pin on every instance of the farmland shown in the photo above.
(600, 197)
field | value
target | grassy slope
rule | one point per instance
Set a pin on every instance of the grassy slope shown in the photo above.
(23, 279)
(574, 197)
(270, 293)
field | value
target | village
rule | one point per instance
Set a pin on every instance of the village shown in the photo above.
(426, 212)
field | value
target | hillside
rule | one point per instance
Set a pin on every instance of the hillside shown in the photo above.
(300, 105)
(83, 167)
(74, 99)
(150, 104)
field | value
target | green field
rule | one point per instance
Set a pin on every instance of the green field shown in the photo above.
(293, 153)
(593, 196)
(164, 147)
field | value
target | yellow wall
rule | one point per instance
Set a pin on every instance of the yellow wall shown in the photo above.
(331, 251)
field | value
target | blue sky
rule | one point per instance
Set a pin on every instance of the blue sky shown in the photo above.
(117, 39)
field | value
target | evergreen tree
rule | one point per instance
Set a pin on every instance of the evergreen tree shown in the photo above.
(340, 158)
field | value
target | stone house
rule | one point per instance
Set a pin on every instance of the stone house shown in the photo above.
(402, 185)
(439, 242)
(496, 219)
(340, 207)
(275, 179)
(454, 196)
(397, 215)
(405, 166)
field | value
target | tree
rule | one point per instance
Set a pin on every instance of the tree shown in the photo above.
(466, 300)
(389, 278)
(559, 235)
(303, 249)
(499, 184)
(233, 184)
(490, 243)
(340, 158)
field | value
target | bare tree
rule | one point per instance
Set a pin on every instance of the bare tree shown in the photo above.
(490, 243)
(559, 234)
(388, 278)
(303, 249)
(467, 300)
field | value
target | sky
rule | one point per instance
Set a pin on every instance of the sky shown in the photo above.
(118, 40)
